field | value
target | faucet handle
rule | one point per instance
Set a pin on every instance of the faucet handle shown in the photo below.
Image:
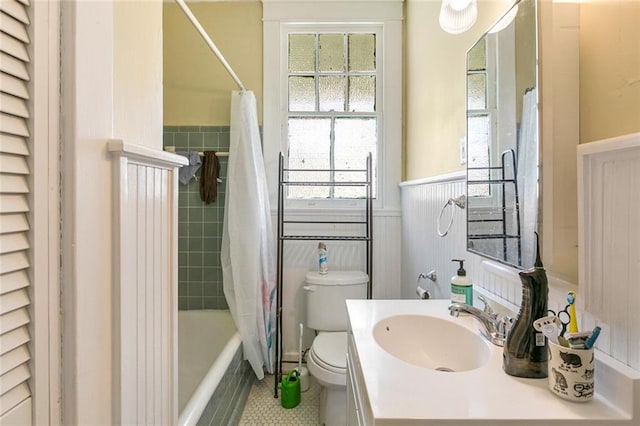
(504, 325)
(487, 308)
(430, 276)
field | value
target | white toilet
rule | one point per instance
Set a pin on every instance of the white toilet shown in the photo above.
(327, 359)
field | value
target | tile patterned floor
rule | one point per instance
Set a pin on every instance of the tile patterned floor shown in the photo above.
(263, 409)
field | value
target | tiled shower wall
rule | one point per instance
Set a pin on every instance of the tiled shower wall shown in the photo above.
(199, 224)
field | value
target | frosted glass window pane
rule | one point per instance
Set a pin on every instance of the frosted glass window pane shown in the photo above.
(302, 52)
(477, 91)
(478, 153)
(331, 53)
(477, 57)
(354, 139)
(302, 94)
(323, 84)
(362, 94)
(331, 92)
(309, 148)
(362, 52)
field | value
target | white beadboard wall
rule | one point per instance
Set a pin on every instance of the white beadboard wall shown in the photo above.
(423, 250)
(302, 256)
(609, 242)
(145, 284)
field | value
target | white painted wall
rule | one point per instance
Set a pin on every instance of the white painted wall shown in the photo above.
(434, 116)
(111, 88)
(137, 71)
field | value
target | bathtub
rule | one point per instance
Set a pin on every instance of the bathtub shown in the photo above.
(213, 378)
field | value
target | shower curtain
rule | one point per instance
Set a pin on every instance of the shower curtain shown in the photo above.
(248, 263)
(527, 178)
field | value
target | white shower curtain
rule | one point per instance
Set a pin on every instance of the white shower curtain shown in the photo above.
(528, 176)
(247, 254)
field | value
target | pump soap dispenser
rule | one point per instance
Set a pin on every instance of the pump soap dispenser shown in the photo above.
(461, 286)
(525, 350)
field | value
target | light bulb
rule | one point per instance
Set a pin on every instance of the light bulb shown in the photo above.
(458, 21)
(458, 5)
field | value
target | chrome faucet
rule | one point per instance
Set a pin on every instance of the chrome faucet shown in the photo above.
(494, 329)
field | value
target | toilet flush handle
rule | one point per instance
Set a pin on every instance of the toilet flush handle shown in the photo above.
(309, 287)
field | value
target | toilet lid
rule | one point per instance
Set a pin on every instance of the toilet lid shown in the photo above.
(331, 349)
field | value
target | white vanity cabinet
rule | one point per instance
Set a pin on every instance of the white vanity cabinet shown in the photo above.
(358, 408)
(384, 390)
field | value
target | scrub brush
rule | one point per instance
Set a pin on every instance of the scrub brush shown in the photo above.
(303, 373)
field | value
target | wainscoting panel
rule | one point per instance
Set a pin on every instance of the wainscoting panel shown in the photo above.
(422, 249)
(145, 284)
(609, 294)
(609, 241)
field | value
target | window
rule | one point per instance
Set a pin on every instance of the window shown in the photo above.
(332, 118)
(343, 65)
(479, 118)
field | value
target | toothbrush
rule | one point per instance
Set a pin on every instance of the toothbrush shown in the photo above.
(573, 323)
(592, 339)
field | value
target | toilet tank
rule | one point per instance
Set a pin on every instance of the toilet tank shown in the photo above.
(326, 295)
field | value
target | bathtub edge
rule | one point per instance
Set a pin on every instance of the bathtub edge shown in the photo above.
(198, 402)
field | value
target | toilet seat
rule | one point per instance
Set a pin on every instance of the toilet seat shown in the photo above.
(329, 351)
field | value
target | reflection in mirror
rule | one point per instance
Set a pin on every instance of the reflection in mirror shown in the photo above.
(502, 139)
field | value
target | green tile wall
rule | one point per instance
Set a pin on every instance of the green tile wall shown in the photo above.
(199, 225)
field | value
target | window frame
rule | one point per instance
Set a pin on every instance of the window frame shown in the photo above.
(330, 28)
(500, 53)
(357, 13)
(492, 69)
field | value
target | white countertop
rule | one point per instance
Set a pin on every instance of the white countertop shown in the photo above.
(400, 393)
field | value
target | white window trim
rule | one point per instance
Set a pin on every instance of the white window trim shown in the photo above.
(292, 28)
(278, 15)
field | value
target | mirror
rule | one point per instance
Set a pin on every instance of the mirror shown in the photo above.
(502, 139)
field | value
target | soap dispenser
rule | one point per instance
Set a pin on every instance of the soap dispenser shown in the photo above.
(461, 286)
(525, 350)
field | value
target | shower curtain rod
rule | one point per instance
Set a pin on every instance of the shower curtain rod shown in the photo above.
(209, 42)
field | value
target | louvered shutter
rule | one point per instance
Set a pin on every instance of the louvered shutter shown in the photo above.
(14, 204)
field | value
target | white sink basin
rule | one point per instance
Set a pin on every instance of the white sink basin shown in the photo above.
(432, 343)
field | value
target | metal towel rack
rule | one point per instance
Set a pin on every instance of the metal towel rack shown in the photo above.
(366, 236)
